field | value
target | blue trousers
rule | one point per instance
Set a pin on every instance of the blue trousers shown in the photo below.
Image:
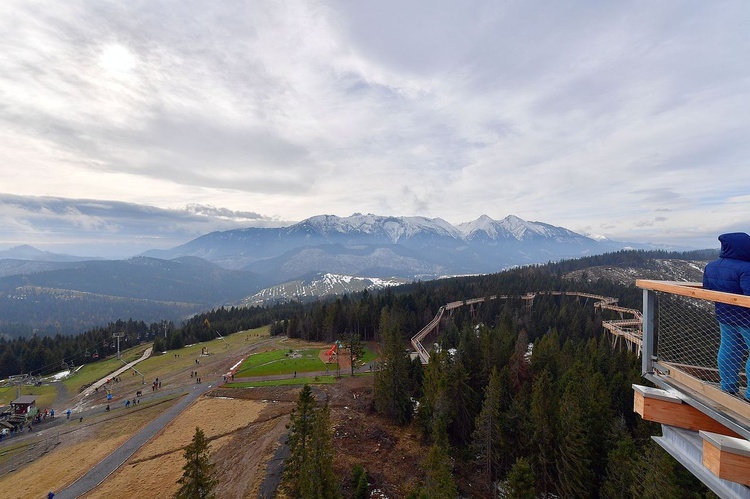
(735, 343)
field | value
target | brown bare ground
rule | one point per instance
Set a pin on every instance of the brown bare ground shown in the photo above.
(236, 433)
(82, 446)
(390, 454)
(243, 427)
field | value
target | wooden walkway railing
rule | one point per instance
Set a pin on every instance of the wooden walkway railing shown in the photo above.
(629, 331)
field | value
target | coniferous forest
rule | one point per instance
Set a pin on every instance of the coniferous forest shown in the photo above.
(517, 400)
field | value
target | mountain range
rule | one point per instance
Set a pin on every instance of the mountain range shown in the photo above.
(385, 246)
(321, 255)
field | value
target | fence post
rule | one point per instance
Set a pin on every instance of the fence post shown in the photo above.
(649, 305)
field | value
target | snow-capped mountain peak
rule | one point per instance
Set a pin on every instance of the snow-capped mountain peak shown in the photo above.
(482, 224)
(392, 228)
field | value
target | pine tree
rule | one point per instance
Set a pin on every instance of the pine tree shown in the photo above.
(356, 349)
(486, 437)
(433, 405)
(573, 464)
(657, 475)
(438, 467)
(359, 480)
(198, 479)
(520, 484)
(300, 433)
(159, 344)
(543, 428)
(519, 363)
(462, 408)
(317, 479)
(620, 469)
(391, 380)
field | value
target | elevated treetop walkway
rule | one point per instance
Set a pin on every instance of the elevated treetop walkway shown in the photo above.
(628, 330)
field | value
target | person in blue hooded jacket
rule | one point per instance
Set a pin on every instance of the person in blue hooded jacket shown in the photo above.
(731, 274)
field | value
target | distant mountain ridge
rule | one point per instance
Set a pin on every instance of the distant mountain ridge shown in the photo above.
(317, 286)
(29, 253)
(375, 245)
(319, 256)
(76, 296)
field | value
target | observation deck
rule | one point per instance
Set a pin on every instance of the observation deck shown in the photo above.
(703, 427)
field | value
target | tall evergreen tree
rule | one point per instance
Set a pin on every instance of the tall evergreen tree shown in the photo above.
(575, 476)
(433, 405)
(197, 481)
(460, 396)
(486, 437)
(520, 483)
(439, 481)
(300, 433)
(543, 429)
(317, 479)
(657, 476)
(392, 378)
(356, 349)
(621, 468)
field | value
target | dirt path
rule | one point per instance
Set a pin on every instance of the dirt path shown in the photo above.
(101, 471)
(230, 425)
(63, 395)
(120, 454)
(274, 469)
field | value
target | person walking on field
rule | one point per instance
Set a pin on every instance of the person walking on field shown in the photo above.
(731, 274)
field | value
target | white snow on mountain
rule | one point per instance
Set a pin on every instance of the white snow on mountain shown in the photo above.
(326, 284)
(511, 227)
(394, 228)
(482, 224)
(397, 228)
(596, 237)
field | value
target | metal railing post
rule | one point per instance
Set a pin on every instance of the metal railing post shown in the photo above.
(647, 354)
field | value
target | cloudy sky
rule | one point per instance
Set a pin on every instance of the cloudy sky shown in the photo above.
(159, 120)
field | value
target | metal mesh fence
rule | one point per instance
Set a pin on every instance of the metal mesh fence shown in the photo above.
(15, 455)
(689, 338)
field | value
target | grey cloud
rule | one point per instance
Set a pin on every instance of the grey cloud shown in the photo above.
(656, 195)
(592, 113)
(112, 228)
(208, 210)
(650, 223)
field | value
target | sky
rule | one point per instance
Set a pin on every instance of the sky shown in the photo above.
(143, 124)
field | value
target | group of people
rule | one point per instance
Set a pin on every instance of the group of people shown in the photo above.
(136, 401)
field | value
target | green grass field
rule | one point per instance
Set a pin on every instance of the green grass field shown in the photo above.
(289, 361)
(46, 394)
(160, 365)
(155, 366)
(304, 358)
(316, 380)
(369, 356)
(95, 371)
(283, 362)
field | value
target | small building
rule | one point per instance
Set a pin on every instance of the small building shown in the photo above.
(24, 405)
(23, 409)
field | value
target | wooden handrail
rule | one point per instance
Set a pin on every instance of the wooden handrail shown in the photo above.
(604, 302)
(694, 290)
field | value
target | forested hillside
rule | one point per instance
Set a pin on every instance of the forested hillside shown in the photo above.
(84, 295)
(556, 418)
(333, 319)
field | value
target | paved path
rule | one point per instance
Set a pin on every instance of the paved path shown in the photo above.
(275, 469)
(109, 464)
(98, 384)
(112, 462)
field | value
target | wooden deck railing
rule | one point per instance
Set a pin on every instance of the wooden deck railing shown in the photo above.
(680, 344)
